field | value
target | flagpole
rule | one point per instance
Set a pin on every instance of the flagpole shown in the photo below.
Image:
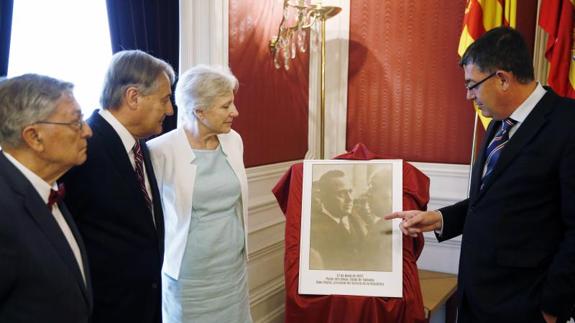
(473, 144)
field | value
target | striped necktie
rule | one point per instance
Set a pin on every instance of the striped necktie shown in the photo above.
(139, 168)
(496, 146)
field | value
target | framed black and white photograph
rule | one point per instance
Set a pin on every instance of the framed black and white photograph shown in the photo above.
(347, 248)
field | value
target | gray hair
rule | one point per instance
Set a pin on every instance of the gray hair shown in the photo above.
(132, 68)
(201, 85)
(25, 100)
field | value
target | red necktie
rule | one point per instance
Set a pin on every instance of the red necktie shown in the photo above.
(139, 168)
(56, 196)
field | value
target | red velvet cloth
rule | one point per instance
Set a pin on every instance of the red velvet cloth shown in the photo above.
(351, 309)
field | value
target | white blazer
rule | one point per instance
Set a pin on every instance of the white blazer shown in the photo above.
(172, 157)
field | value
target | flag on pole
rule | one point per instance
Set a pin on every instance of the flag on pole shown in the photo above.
(481, 16)
(556, 17)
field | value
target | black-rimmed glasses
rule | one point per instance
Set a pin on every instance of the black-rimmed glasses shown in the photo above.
(476, 85)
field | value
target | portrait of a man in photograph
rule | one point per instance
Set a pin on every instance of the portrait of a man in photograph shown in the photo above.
(347, 231)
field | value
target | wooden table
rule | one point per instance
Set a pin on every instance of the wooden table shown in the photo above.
(438, 289)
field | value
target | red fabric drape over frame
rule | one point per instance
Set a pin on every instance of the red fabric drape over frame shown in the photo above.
(351, 309)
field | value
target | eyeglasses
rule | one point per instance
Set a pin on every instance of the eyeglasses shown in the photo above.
(77, 125)
(476, 85)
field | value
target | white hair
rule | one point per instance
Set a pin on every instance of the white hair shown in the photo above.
(199, 86)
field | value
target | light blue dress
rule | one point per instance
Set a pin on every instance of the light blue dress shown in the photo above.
(213, 278)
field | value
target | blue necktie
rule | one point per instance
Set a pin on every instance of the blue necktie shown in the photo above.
(496, 146)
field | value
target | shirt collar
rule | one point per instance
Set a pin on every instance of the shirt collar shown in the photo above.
(40, 185)
(521, 113)
(127, 139)
(324, 210)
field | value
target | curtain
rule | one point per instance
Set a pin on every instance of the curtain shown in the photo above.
(6, 7)
(148, 25)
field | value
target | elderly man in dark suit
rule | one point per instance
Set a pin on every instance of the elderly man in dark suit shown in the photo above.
(114, 196)
(43, 266)
(518, 224)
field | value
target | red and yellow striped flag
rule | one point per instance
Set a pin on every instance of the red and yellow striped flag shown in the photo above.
(483, 15)
(557, 17)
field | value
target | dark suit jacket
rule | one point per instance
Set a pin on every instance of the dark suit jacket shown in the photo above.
(518, 246)
(338, 248)
(124, 247)
(39, 277)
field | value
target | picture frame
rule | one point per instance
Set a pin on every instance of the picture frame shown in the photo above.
(346, 247)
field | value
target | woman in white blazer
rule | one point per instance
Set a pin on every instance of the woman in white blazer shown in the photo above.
(202, 180)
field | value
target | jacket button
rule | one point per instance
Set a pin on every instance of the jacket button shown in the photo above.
(154, 285)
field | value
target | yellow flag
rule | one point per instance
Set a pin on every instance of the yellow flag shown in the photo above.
(483, 15)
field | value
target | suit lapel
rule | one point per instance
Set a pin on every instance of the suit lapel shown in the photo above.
(112, 143)
(478, 165)
(156, 199)
(42, 216)
(87, 291)
(121, 161)
(530, 127)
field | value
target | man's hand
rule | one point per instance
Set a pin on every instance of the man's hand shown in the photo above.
(415, 222)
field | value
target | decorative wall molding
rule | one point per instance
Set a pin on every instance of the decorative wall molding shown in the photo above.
(260, 295)
(264, 212)
(262, 204)
(266, 243)
(272, 171)
(448, 185)
(266, 282)
(274, 316)
(269, 249)
(261, 298)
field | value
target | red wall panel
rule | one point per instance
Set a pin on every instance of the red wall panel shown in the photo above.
(273, 104)
(406, 97)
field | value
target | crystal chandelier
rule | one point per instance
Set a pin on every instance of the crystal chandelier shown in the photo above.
(298, 17)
